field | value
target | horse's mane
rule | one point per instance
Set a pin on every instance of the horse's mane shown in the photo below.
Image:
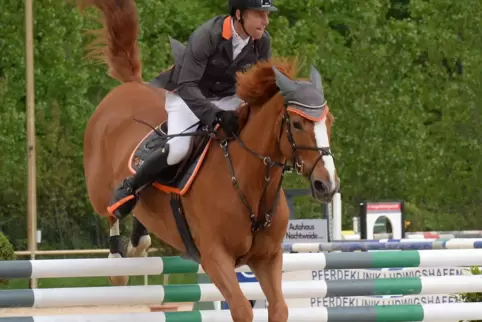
(258, 84)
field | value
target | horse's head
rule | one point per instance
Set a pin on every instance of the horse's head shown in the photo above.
(305, 133)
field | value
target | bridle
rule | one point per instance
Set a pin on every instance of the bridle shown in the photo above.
(297, 165)
(297, 162)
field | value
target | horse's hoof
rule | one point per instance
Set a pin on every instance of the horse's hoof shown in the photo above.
(118, 280)
(145, 242)
(141, 249)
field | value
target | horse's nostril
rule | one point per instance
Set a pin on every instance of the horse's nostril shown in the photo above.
(319, 186)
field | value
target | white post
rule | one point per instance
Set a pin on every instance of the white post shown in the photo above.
(337, 217)
(356, 225)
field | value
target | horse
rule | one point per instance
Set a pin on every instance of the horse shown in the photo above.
(224, 206)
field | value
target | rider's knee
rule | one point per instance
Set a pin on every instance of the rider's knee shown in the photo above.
(177, 153)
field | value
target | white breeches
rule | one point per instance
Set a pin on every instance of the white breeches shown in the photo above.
(181, 118)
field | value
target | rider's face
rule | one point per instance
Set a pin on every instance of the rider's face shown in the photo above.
(255, 21)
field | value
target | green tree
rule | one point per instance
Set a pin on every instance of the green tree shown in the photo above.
(6, 252)
(402, 79)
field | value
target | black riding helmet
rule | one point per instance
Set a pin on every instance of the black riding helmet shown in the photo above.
(263, 5)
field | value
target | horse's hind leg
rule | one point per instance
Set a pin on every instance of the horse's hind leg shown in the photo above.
(140, 240)
(220, 268)
(268, 272)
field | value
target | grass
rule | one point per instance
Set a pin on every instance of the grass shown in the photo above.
(99, 281)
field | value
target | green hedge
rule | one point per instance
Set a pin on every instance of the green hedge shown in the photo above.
(473, 297)
(6, 252)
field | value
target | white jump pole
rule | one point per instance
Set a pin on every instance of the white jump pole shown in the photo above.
(336, 205)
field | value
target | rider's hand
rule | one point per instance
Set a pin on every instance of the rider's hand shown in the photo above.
(229, 122)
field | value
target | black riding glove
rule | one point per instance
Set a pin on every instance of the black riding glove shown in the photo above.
(229, 122)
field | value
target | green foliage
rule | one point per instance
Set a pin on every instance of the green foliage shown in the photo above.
(6, 252)
(402, 79)
(426, 220)
(473, 297)
(22, 284)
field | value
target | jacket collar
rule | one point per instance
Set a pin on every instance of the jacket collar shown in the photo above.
(227, 44)
(227, 31)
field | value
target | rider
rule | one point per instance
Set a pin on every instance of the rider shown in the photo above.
(203, 87)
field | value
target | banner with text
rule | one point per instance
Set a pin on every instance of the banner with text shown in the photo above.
(353, 274)
(306, 231)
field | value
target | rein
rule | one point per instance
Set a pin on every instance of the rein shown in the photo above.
(266, 222)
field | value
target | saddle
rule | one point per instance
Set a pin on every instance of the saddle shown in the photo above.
(179, 177)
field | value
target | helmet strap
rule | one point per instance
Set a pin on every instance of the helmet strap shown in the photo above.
(241, 21)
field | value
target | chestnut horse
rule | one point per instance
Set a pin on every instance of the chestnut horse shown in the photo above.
(232, 202)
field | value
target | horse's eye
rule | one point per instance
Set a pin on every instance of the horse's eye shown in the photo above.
(297, 125)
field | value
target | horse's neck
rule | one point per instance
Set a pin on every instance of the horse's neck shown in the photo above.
(259, 135)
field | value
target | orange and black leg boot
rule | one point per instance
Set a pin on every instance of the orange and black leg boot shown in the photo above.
(124, 200)
(126, 195)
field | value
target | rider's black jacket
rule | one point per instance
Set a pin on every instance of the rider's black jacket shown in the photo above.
(207, 70)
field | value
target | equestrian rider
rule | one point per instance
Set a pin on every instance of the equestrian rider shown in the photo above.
(202, 86)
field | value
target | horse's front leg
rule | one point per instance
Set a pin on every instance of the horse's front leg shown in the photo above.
(221, 270)
(268, 272)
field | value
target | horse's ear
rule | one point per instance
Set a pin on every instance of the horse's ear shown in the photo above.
(315, 78)
(284, 83)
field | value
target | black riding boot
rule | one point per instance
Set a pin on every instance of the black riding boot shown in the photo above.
(125, 196)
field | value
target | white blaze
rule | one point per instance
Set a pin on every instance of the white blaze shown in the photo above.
(322, 141)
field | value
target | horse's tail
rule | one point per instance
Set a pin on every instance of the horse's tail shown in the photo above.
(116, 43)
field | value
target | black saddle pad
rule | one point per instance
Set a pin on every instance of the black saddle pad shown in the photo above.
(177, 178)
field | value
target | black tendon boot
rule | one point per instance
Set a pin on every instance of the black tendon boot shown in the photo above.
(125, 196)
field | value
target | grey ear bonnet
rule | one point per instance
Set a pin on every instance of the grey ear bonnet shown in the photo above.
(305, 96)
